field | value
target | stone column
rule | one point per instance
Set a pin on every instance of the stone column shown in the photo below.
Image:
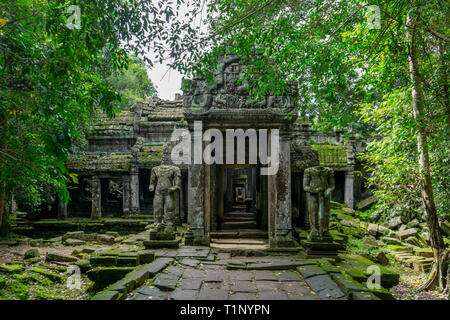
(181, 202)
(196, 200)
(134, 190)
(253, 188)
(177, 196)
(264, 201)
(296, 196)
(13, 204)
(248, 186)
(304, 204)
(230, 191)
(220, 194)
(196, 185)
(349, 188)
(280, 221)
(126, 209)
(62, 209)
(208, 200)
(96, 209)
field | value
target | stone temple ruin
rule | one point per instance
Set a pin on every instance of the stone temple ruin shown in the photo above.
(219, 199)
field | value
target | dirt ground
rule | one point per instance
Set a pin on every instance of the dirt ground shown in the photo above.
(13, 253)
(408, 288)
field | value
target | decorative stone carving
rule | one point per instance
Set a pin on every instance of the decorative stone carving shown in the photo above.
(318, 182)
(230, 91)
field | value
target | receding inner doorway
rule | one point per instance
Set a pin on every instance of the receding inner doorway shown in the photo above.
(244, 222)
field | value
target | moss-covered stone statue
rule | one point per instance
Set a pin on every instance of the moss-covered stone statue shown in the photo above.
(165, 180)
(318, 182)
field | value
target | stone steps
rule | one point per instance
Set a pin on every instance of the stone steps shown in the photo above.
(250, 241)
(225, 247)
(239, 231)
(237, 219)
(243, 233)
(417, 263)
(239, 214)
(233, 225)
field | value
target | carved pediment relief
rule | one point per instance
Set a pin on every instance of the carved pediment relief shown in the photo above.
(229, 91)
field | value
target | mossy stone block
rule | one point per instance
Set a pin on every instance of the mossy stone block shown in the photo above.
(127, 261)
(108, 274)
(14, 268)
(103, 260)
(146, 256)
(50, 275)
(106, 295)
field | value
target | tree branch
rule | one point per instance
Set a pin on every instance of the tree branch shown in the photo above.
(432, 31)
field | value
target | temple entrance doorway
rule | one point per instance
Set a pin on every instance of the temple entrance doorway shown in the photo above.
(243, 224)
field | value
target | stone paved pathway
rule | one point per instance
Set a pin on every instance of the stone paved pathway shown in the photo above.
(199, 273)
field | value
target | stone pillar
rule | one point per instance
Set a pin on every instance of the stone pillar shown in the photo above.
(177, 213)
(126, 195)
(219, 195)
(196, 188)
(349, 188)
(134, 190)
(248, 185)
(257, 190)
(304, 204)
(96, 209)
(264, 201)
(280, 216)
(296, 198)
(181, 202)
(208, 200)
(196, 200)
(230, 192)
(13, 204)
(62, 209)
(253, 188)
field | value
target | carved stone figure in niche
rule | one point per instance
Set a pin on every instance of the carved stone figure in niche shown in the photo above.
(165, 180)
(318, 182)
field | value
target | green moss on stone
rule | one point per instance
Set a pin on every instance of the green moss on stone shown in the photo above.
(50, 275)
(11, 268)
(108, 274)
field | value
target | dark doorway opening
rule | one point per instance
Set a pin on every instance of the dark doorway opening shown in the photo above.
(243, 219)
(80, 202)
(339, 187)
(145, 196)
(111, 198)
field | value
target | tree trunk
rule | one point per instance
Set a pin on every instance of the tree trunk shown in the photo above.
(436, 240)
(445, 92)
(3, 211)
